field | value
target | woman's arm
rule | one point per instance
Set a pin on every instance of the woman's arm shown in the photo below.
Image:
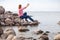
(25, 6)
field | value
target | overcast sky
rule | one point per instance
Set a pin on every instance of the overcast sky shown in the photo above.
(35, 5)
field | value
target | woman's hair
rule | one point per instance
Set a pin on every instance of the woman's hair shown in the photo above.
(19, 6)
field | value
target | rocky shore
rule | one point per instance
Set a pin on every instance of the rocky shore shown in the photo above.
(8, 18)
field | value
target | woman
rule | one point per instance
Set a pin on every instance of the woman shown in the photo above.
(23, 15)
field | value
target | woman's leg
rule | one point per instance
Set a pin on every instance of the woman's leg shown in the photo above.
(30, 18)
(26, 17)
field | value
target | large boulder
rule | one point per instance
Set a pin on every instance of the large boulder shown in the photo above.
(1, 31)
(9, 31)
(8, 14)
(9, 21)
(57, 37)
(4, 36)
(22, 38)
(44, 37)
(2, 10)
(10, 37)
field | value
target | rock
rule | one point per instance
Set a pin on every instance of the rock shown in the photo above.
(8, 21)
(44, 37)
(1, 16)
(8, 14)
(14, 38)
(2, 23)
(57, 37)
(24, 24)
(18, 38)
(10, 37)
(9, 31)
(15, 14)
(17, 20)
(58, 23)
(34, 23)
(4, 36)
(22, 38)
(2, 10)
(23, 29)
(58, 32)
(47, 32)
(38, 32)
(1, 31)
(34, 39)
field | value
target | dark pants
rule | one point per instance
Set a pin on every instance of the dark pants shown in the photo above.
(25, 16)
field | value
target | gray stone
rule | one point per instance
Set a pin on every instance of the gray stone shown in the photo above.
(2, 10)
(1, 31)
(57, 37)
(44, 37)
(23, 29)
(8, 21)
(9, 31)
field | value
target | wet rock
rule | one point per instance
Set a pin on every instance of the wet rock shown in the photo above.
(9, 31)
(57, 37)
(1, 31)
(10, 37)
(24, 24)
(8, 21)
(23, 29)
(58, 23)
(34, 23)
(44, 37)
(58, 32)
(4, 36)
(47, 32)
(34, 39)
(22, 38)
(18, 38)
(38, 32)
(29, 37)
(2, 10)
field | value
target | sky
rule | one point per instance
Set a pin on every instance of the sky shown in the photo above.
(35, 5)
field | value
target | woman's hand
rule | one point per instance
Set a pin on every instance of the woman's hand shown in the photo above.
(27, 5)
